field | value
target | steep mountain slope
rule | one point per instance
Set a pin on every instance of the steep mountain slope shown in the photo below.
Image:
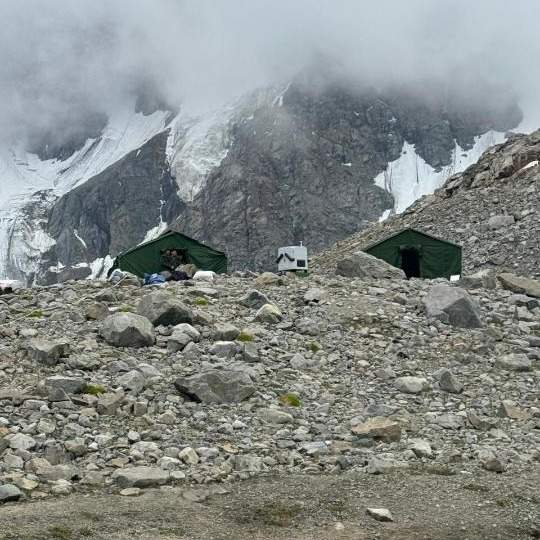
(29, 185)
(308, 162)
(492, 209)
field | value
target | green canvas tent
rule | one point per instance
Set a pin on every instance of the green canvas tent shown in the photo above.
(419, 254)
(147, 258)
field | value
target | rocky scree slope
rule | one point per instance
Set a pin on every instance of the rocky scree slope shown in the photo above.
(277, 168)
(492, 210)
(123, 387)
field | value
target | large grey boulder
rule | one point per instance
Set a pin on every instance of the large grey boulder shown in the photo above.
(128, 330)
(161, 308)
(453, 306)
(363, 265)
(520, 285)
(216, 386)
(140, 477)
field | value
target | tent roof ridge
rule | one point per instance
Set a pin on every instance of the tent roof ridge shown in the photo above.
(168, 232)
(393, 235)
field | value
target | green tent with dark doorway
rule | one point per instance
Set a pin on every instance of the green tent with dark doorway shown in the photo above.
(419, 254)
(147, 258)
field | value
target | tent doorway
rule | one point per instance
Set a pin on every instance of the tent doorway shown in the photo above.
(410, 262)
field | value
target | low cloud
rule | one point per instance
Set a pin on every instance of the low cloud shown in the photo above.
(63, 61)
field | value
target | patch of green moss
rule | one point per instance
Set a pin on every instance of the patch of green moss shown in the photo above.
(94, 389)
(200, 301)
(35, 314)
(290, 400)
(244, 337)
(314, 347)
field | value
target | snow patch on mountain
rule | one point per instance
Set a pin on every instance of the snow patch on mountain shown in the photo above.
(409, 177)
(23, 175)
(195, 147)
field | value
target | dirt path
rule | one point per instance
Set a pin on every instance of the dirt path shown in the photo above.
(424, 506)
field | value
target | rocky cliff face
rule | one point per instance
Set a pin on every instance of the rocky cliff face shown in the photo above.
(114, 210)
(492, 209)
(301, 168)
(277, 168)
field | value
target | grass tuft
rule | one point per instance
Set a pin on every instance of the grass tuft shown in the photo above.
(94, 389)
(244, 337)
(290, 400)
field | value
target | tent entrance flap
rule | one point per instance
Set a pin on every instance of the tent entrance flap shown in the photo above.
(410, 261)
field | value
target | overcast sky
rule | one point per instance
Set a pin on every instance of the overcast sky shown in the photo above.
(61, 57)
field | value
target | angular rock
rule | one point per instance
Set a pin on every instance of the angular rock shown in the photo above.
(380, 514)
(453, 306)
(9, 493)
(225, 332)
(420, 447)
(508, 409)
(132, 381)
(97, 311)
(128, 330)
(269, 313)
(188, 455)
(449, 383)
(379, 429)
(520, 285)
(109, 402)
(21, 441)
(514, 362)
(140, 477)
(224, 349)
(411, 385)
(275, 416)
(363, 265)
(215, 386)
(254, 299)
(70, 385)
(449, 421)
(47, 352)
(162, 308)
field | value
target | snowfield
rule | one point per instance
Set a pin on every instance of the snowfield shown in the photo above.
(409, 177)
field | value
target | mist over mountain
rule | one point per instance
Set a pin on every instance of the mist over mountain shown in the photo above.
(62, 62)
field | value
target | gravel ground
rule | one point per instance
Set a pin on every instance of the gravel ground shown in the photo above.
(424, 505)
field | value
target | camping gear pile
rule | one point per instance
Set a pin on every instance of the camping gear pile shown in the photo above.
(170, 257)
